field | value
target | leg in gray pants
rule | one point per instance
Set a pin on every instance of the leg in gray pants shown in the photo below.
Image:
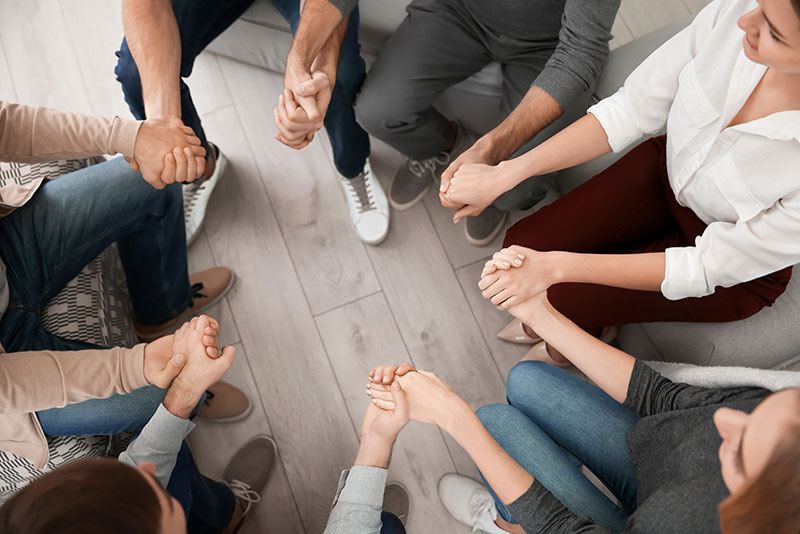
(438, 45)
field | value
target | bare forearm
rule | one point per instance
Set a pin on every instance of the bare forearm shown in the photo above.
(506, 477)
(606, 366)
(154, 40)
(536, 110)
(644, 272)
(319, 20)
(327, 60)
(581, 141)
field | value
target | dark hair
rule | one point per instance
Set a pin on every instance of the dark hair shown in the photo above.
(796, 4)
(88, 497)
(770, 502)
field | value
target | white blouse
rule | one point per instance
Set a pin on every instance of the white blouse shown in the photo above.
(742, 181)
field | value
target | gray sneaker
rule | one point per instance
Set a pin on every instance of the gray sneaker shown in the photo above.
(412, 180)
(395, 501)
(482, 230)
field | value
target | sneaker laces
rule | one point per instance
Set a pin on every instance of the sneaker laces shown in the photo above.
(482, 505)
(420, 168)
(245, 495)
(196, 292)
(191, 192)
(361, 189)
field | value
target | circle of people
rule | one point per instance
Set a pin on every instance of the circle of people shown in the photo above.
(698, 220)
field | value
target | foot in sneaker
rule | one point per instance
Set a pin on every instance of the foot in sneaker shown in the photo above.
(224, 403)
(208, 288)
(246, 475)
(414, 178)
(197, 194)
(368, 206)
(469, 502)
(395, 501)
(482, 229)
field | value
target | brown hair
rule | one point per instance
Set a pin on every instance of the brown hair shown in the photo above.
(796, 4)
(89, 497)
(770, 502)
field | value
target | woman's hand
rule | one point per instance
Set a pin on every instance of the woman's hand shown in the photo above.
(507, 287)
(385, 374)
(430, 400)
(505, 259)
(475, 185)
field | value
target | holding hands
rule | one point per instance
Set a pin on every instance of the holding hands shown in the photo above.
(516, 274)
(470, 187)
(302, 107)
(166, 151)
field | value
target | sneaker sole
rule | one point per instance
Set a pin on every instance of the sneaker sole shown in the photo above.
(488, 239)
(211, 183)
(199, 311)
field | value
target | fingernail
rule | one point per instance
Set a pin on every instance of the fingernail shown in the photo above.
(369, 392)
(506, 263)
(521, 256)
(374, 402)
(395, 386)
(517, 262)
(177, 360)
(369, 385)
(385, 378)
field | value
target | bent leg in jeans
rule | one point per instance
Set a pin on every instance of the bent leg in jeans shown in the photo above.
(556, 423)
(70, 221)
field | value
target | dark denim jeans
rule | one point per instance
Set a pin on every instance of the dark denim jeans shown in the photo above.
(391, 524)
(45, 244)
(208, 504)
(201, 21)
(555, 423)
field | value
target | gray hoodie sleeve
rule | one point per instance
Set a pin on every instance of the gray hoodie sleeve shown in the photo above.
(345, 6)
(575, 65)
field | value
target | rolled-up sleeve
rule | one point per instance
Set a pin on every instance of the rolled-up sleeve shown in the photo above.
(642, 105)
(727, 254)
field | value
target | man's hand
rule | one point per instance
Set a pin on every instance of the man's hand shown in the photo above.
(474, 186)
(156, 141)
(204, 367)
(478, 153)
(294, 76)
(295, 128)
(380, 429)
(162, 364)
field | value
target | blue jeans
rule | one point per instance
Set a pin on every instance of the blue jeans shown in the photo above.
(391, 524)
(556, 422)
(208, 504)
(200, 21)
(45, 244)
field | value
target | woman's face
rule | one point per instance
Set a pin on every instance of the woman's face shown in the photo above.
(772, 35)
(748, 440)
(173, 519)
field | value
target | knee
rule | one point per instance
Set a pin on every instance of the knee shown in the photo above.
(370, 108)
(126, 70)
(496, 417)
(525, 379)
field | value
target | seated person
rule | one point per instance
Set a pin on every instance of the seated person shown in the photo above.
(50, 230)
(163, 39)
(700, 226)
(155, 486)
(678, 458)
(551, 55)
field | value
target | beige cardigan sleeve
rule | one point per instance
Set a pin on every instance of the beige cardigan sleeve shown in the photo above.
(29, 134)
(33, 381)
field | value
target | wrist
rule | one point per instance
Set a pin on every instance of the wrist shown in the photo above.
(374, 452)
(180, 399)
(458, 420)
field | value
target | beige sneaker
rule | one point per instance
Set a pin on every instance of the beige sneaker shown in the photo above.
(209, 287)
(224, 404)
(514, 332)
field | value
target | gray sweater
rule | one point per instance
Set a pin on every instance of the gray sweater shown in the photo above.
(674, 447)
(577, 32)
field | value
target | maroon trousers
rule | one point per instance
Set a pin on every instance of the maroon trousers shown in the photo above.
(630, 208)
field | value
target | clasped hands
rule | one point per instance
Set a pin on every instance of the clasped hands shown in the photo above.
(187, 363)
(302, 106)
(166, 152)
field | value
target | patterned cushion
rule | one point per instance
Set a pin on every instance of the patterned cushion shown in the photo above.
(93, 307)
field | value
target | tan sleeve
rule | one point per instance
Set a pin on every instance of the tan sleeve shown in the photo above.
(33, 381)
(29, 134)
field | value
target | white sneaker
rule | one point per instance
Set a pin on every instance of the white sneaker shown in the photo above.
(197, 194)
(368, 206)
(470, 502)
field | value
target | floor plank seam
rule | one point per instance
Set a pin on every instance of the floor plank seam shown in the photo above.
(77, 58)
(342, 305)
(10, 78)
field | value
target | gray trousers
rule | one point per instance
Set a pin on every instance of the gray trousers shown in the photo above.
(438, 45)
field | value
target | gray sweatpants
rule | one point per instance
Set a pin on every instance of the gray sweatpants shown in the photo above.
(438, 45)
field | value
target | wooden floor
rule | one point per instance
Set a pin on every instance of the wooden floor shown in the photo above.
(313, 308)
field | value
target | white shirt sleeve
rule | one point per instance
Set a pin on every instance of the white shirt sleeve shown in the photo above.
(643, 103)
(727, 254)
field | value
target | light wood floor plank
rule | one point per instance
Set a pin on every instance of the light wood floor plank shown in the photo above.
(40, 55)
(490, 319)
(209, 91)
(213, 445)
(330, 260)
(7, 91)
(293, 375)
(645, 16)
(359, 337)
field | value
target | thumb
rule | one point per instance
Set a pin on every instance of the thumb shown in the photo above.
(463, 212)
(447, 175)
(309, 105)
(400, 402)
(228, 353)
(174, 367)
(312, 87)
